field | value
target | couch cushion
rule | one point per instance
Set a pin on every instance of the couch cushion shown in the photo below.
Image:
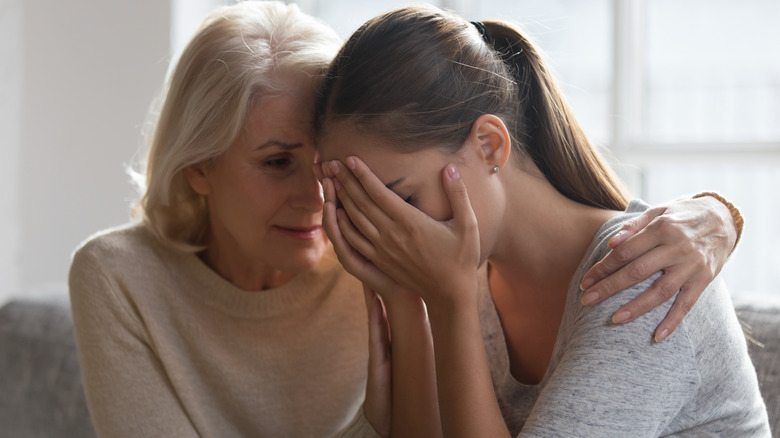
(42, 395)
(762, 326)
(40, 381)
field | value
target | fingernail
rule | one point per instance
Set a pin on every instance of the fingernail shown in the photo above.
(452, 172)
(587, 282)
(334, 167)
(590, 298)
(617, 236)
(661, 336)
(351, 163)
(621, 316)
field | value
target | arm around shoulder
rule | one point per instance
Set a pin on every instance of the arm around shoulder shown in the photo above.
(607, 378)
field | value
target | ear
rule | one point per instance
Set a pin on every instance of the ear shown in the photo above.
(197, 177)
(494, 143)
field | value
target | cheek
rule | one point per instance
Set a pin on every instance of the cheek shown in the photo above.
(435, 203)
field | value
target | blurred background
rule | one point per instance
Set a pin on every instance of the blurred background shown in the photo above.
(683, 94)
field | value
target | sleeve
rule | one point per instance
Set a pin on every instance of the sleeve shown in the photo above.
(612, 379)
(128, 392)
(359, 428)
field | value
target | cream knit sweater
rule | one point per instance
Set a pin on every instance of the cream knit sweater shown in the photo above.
(168, 348)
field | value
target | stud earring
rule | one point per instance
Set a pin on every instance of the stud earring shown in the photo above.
(496, 169)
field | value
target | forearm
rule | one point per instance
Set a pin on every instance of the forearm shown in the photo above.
(415, 411)
(467, 400)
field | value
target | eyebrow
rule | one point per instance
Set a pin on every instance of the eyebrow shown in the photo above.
(280, 144)
(392, 184)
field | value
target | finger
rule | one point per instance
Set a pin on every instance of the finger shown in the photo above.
(377, 404)
(349, 257)
(361, 200)
(379, 340)
(635, 225)
(329, 191)
(683, 304)
(330, 220)
(356, 214)
(630, 250)
(317, 168)
(652, 261)
(354, 237)
(462, 212)
(662, 290)
(384, 198)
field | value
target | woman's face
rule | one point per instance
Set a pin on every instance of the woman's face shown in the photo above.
(265, 204)
(417, 176)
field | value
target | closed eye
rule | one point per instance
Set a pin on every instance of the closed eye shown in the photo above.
(277, 163)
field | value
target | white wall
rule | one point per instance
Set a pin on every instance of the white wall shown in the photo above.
(77, 79)
(10, 139)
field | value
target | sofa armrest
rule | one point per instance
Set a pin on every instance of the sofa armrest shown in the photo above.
(762, 328)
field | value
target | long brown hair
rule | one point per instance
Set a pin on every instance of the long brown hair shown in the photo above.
(419, 77)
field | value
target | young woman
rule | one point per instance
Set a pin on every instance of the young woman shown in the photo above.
(464, 122)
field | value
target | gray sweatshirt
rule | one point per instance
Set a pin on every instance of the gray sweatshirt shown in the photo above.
(609, 380)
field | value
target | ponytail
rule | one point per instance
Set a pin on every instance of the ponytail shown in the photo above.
(419, 77)
(550, 134)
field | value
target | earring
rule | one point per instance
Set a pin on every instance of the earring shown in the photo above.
(496, 169)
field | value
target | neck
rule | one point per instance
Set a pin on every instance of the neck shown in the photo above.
(544, 235)
(241, 272)
(543, 238)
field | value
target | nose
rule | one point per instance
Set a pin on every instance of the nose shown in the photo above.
(308, 193)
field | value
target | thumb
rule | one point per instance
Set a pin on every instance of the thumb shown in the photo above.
(462, 213)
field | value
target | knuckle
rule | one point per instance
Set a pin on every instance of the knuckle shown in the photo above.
(360, 202)
(687, 244)
(609, 287)
(599, 270)
(631, 225)
(666, 290)
(657, 211)
(623, 254)
(637, 271)
(662, 222)
(683, 305)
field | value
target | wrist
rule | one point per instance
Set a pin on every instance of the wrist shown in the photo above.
(457, 303)
(403, 305)
(736, 217)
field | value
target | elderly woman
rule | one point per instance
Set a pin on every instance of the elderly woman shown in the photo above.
(224, 312)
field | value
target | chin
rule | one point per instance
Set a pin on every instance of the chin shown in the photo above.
(302, 260)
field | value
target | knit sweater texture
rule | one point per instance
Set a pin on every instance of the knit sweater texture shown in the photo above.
(610, 380)
(170, 348)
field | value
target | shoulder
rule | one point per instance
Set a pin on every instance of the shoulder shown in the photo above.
(117, 255)
(599, 248)
(596, 320)
(122, 244)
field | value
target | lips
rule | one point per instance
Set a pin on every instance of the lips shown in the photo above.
(300, 233)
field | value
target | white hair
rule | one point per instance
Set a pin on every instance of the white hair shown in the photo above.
(239, 55)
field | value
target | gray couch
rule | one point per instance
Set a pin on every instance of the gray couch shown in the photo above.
(41, 388)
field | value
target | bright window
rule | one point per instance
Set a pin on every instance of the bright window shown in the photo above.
(685, 94)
